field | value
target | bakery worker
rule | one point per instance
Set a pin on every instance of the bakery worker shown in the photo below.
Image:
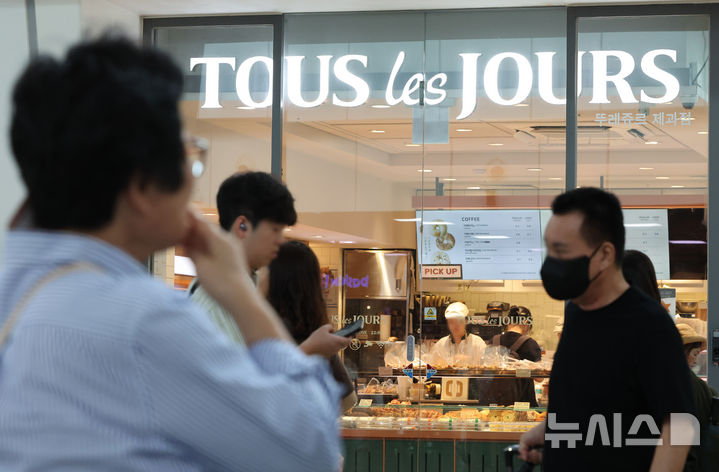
(507, 391)
(459, 345)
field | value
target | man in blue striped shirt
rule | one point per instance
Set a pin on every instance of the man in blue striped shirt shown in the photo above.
(102, 367)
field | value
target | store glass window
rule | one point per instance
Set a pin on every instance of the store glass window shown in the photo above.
(226, 101)
(643, 133)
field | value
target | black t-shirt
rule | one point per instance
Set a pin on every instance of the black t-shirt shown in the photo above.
(626, 358)
(506, 391)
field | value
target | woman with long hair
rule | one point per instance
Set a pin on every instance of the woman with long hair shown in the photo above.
(295, 291)
(639, 271)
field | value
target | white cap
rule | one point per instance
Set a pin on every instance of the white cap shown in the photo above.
(456, 310)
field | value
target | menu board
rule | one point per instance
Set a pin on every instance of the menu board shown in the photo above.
(488, 244)
(508, 244)
(648, 231)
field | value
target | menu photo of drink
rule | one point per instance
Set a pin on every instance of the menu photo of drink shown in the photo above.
(488, 244)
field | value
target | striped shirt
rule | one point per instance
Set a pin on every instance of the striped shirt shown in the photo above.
(112, 370)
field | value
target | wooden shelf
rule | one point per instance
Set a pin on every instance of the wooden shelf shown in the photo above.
(431, 434)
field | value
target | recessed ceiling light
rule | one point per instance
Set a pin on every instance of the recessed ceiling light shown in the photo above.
(702, 132)
(449, 179)
(555, 178)
(662, 178)
(463, 130)
(646, 168)
(677, 186)
(652, 142)
(496, 144)
(318, 236)
(412, 145)
(474, 188)
(426, 171)
(347, 242)
(377, 131)
(380, 106)
(535, 169)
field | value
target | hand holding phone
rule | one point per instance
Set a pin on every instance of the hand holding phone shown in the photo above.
(351, 329)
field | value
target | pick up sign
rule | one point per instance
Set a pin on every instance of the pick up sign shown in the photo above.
(442, 271)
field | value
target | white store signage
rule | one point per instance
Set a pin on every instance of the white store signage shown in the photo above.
(435, 94)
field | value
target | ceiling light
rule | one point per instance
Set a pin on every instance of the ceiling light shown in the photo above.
(687, 241)
(449, 179)
(535, 169)
(318, 236)
(662, 178)
(473, 188)
(463, 130)
(377, 131)
(246, 108)
(555, 178)
(652, 142)
(522, 105)
(347, 242)
(702, 132)
(646, 168)
(496, 144)
(406, 220)
(380, 106)
(426, 171)
(677, 186)
(412, 145)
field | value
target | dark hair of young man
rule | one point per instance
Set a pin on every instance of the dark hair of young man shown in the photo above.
(84, 127)
(603, 217)
(258, 197)
(639, 271)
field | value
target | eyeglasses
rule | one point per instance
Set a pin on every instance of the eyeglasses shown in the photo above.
(196, 154)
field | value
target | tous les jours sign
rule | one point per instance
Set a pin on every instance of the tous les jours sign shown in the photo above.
(434, 92)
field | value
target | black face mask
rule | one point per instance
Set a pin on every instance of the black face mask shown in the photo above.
(565, 279)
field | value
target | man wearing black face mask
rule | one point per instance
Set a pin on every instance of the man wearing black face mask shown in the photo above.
(620, 356)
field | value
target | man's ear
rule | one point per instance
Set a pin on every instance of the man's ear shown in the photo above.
(241, 227)
(139, 195)
(608, 254)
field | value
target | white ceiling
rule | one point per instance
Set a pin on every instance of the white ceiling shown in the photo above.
(213, 7)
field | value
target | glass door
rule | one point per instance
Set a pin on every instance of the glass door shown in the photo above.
(227, 102)
(643, 132)
(494, 158)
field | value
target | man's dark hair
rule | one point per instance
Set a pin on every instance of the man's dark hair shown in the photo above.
(603, 217)
(258, 197)
(83, 127)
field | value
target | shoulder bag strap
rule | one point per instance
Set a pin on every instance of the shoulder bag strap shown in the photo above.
(518, 343)
(46, 279)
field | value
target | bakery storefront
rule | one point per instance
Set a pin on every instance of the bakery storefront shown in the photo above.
(423, 150)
